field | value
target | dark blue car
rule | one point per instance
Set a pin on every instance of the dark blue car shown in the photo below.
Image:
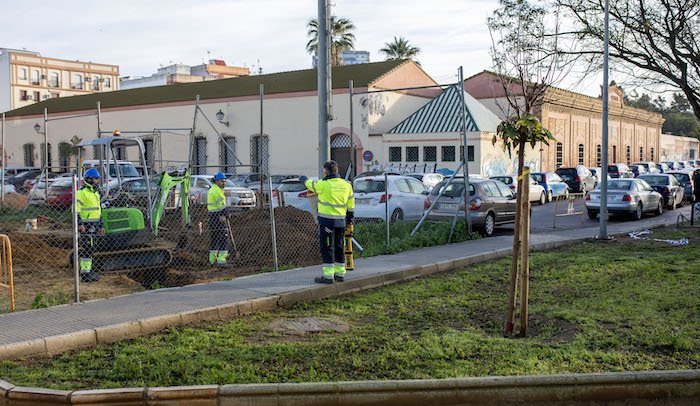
(553, 184)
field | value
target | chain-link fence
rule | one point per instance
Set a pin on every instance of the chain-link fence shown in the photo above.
(398, 146)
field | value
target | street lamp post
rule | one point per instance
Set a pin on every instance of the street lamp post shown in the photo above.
(37, 128)
(603, 235)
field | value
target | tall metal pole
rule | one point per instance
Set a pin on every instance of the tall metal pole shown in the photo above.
(99, 120)
(352, 135)
(4, 163)
(190, 152)
(46, 154)
(76, 261)
(273, 232)
(465, 157)
(261, 167)
(604, 169)
(322, 70)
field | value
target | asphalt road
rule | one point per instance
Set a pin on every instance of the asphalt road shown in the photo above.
(543, 220)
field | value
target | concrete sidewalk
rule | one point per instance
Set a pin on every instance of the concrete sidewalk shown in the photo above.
(61, 328)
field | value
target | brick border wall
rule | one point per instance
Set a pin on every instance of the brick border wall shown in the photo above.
(639, 388)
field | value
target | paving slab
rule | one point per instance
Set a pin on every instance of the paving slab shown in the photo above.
(146, 312)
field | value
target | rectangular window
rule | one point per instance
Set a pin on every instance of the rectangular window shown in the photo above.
(23, 74)
(28, 155)
(470, 153)
(200, 155)
(53, 79)
(581, 154)
(23, 95)
(36, 78)
(560, 154)
(412, 154)
(429, 154)
(45, 154)
(448, 154)
(37, 96)
(108, 82)
(394, 154)
(614, 154)
(259, 152)
(227, 154)
(95, 84)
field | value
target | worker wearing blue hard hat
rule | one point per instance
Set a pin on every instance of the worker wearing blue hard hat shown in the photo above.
(90, 224)
(218, 222)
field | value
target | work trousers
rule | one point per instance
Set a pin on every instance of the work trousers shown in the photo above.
(86, 247)
(332, 245)
(218, 233)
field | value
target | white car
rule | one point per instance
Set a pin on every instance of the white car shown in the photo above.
(537, 192)
(407, 198)
(10, 188)
(236, 196)
(294, 194)
(428, 179)
(37, 194)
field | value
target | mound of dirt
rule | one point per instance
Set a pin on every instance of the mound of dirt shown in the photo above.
(16, 201)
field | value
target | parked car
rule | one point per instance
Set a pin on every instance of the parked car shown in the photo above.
(236, 196)
(491, 203)
(407, 198)
(9, 188)
(579, 179)
(247, 180)
(689, 165)
(552, 183)
(537, 192)
(12, 170)
(620, 171)
(598, 173)
(685, 178)
(672, 165)
(126, 169)
(18, 180)
(626, 196)
(133, 191)
(60, 193)
(428, 179)
(29, 183)
(295, 194)
(663, 168)
(376, 173)
(650, 167)
(37, 194)
(638, 170)
(667, 186)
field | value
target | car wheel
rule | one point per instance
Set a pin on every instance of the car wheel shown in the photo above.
(543, 199)
(592, 214)
(550, 196)
(396, 215)
(672, 205)
(660, 208)
(489, 225)
(638, 213)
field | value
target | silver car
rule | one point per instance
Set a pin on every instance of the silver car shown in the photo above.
(626, 196)
(236, 196)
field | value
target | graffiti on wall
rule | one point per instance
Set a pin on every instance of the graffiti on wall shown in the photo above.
(494, 165)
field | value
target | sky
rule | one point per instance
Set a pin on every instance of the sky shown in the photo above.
(141, 36)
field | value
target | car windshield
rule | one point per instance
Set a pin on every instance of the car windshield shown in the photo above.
(278, 178)
(295, 186)
(616, 184)
(505, 179)
(655, 180)
(368, 186)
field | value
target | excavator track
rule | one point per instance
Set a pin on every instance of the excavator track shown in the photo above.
(142, 259)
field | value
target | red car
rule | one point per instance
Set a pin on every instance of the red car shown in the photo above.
(60, 193)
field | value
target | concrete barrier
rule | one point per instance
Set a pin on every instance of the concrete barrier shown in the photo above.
(656, 388)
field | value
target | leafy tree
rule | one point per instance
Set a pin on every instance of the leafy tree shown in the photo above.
(341, 37)
(678, 119)
(654, 42)
(399, 48)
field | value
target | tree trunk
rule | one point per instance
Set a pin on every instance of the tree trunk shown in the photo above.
(510, 317)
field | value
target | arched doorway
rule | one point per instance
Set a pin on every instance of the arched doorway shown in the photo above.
(341, 152)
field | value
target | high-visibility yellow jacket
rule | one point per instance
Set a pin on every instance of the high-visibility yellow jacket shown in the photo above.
(216, 200)
(335, 197)
(88, 204)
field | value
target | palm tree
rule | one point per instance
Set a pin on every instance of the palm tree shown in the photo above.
(341, 35)
(399, 48)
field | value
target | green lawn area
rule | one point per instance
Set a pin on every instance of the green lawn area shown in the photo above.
(617, 306)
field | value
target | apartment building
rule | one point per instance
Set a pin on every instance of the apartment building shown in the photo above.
(27, 77)
(179, 73)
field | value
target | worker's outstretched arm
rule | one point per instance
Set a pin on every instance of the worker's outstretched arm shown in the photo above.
(313, 185)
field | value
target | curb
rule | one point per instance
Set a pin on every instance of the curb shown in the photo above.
(647, 388)
(53, 345)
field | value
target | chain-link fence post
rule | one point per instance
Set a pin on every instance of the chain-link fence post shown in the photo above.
(76, 256)
(386, 205)
(273, 232)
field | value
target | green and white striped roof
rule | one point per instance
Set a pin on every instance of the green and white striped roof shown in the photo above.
(441, 115)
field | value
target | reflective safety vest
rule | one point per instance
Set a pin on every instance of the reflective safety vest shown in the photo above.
(335, 197)
(88, 204)
(216, 200)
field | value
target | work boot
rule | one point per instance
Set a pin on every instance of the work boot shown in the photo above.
(88, 277)
(339, 278)
(321, 279)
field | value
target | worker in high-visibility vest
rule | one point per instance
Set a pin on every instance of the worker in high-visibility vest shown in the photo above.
(90, 224)
(218, 226)
(336, 206)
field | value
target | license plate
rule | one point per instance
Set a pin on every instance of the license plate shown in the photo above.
(450, 207)
(362, 201)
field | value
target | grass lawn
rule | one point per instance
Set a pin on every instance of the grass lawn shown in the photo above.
(618, 306)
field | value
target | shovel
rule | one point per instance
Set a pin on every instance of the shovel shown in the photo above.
(233, 241)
